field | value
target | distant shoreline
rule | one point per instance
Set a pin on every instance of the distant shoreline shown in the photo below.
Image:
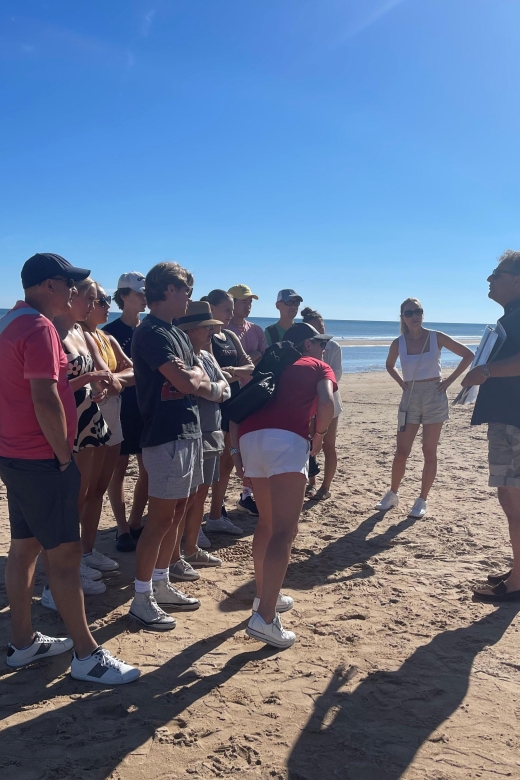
(361, 342)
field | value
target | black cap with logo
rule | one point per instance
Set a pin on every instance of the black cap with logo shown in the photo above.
(45, 265)
(302, 331)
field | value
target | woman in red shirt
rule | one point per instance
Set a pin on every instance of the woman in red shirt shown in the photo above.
(271, 449)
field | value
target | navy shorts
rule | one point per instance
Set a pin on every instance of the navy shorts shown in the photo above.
(42, 500)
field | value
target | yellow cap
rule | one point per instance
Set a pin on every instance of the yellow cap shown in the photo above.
(241, 292)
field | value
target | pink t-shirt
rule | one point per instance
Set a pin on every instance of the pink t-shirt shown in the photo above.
(251, 336)
(30, 348)
(295, 401)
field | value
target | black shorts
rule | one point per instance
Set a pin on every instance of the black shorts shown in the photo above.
(42, 500)
(132, 426)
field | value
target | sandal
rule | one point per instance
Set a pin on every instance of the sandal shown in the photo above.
(497, 593)
(496, 579)
(310, 492)
(321, 495)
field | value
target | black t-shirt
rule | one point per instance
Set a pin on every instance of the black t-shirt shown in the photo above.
(123, 335)
(498, 398)
(167, 414)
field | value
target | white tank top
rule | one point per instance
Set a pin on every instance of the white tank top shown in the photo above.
(429, 363)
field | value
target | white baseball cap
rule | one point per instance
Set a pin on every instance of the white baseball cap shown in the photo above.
(133, 279)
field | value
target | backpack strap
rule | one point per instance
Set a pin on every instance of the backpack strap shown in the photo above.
(273, 333)
(6, 320)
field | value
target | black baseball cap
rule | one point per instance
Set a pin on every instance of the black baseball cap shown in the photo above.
(302, 331)
(45, 265)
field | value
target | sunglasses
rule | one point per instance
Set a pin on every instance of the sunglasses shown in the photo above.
(104, 300)
(498, 271)
(322, 344)
(291, 303)
(413, 313)
(69, 282)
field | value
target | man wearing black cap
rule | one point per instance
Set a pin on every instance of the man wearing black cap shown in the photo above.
(287, 303)
(37, 428)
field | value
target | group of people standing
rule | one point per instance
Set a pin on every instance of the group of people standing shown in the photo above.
(79, 395)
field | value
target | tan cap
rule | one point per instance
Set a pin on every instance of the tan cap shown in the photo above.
(198, 313)
(241, 292)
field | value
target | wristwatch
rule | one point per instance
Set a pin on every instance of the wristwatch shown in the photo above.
(485, 371)
(234, 451)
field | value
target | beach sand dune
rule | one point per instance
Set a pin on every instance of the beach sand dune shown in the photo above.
(396, 672)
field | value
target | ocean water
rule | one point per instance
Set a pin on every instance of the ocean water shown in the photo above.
(372, 358)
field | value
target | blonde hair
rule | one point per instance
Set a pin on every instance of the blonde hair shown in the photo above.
(416, 302)
(84, 284)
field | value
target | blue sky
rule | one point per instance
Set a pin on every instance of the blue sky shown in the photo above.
(357, 150)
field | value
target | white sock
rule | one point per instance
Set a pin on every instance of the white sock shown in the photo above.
(246, 492)
(160, 574)
(143, 587)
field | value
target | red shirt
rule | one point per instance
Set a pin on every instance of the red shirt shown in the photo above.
(30, 348)
(295, 401)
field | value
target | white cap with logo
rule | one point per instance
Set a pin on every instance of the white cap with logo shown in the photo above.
(134, 280)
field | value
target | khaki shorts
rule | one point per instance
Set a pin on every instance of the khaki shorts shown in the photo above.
(504, 455)
(426, 405)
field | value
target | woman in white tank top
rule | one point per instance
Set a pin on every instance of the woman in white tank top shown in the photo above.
(424, 397)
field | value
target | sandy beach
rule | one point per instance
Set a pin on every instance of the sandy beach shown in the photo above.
(397, 673)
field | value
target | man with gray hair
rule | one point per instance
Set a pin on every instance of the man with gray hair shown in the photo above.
(498, 405)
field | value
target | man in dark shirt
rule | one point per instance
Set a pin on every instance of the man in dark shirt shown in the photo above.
(167, 375)
(498, 404)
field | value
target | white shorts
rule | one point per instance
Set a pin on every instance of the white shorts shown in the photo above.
(174, 469)
(111, 411)
(274, 451)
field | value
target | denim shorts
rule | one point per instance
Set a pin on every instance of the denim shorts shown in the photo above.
(174, 469)
(273, 451)
(42, 500)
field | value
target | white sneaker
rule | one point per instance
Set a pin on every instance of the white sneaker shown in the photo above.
(103, 667)
(167, 596)
(47, 600)
(223, 526)
(97, 560)
(91, 587)
(203, 540)
(42, 647)
(87, 571)
(419, 509)
(182, 570)
(283, 603)
(270, 633)
(145, 609)
(388, 501)
(202, 559)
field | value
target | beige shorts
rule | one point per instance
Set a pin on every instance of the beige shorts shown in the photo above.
(504, 455)
(426, 405)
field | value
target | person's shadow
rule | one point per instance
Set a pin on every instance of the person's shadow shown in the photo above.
(314, 569)
(374, 732)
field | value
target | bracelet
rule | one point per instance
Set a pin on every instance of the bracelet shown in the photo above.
(234, 451)
(321, 433)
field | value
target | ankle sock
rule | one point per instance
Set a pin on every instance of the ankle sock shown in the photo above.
(159, 574)
(143, 587)
(246, 492)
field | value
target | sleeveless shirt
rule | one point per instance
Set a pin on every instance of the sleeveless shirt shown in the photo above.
(428, 364)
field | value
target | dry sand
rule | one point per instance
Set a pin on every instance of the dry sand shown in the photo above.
(396, 672)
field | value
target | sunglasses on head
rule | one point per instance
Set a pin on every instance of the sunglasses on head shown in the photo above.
(498, 271)
(412, 313)
(69, 282)
(104, 300)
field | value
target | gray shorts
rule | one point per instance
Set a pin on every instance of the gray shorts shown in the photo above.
(504, 455)
(426, 405)
(211, 469)
(42, 500)
(174, 469)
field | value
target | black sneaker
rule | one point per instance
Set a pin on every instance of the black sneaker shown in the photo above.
(125, 543)
(224, 513)
(135, 533)
(247, 504)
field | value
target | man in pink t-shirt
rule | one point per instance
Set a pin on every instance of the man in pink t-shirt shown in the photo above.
(37, 429)
(252, 338)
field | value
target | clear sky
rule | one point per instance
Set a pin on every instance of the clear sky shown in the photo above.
(358, 151)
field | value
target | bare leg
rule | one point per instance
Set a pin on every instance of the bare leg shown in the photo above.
(180, 526)
(62, 567)
(19, 584)
(331, 458)
(405, 441)
(85, 462)
(172, 539)
(431, 434)
(287, 493)
(263, 530)
(104, 463)
(116, 494)
(140, 496)
(509, 498)
(218, 489)
(193, 521)
(161, 512)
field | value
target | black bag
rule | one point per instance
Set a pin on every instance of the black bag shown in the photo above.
(262, 386)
